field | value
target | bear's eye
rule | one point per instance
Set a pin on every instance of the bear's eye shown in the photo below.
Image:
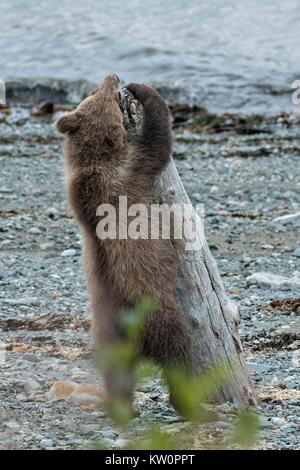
(108, 142)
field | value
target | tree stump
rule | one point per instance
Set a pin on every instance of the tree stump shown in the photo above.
(212, 317)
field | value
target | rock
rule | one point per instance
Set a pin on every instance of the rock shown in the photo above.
(46, 443)
(71, 391)
(196, 197)
(290, 383)
(31, 386)
(274, 281)
(2, 271)
(30, 357)
(265, 422)
(245, 258)
(109, 434)
(70, 252)
(126, 435)
(61, 390)
(259, 368)
(99, 414)
(108, 442)
(222, 424)
(294, 402)
(5, 190)
(172, 419)
(23, 301)
(13, 425)
(121, 443)
(296, 252)
(225, 408)
(296, 355)
(35, 231)
(5, 242)
(276, 382)
(86, 394)
(289, 428)
(267, 247)
(46, 246)
(284, 219)
(278, 421)
(52, 212)
(89, 428)
(3, 414)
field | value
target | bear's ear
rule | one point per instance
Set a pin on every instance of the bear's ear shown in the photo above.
(69, 123)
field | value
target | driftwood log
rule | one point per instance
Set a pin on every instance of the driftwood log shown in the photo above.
(212, 317)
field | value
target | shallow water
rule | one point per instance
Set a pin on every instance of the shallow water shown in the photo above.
(227, 56)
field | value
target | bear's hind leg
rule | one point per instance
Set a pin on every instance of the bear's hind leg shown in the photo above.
(108, 337)
(167, 342)
(166, 339)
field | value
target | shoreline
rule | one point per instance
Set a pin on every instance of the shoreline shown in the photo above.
(32, 91)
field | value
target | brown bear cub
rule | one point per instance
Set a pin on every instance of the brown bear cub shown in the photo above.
(101, 165)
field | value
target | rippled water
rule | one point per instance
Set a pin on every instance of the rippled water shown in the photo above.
(229, 55)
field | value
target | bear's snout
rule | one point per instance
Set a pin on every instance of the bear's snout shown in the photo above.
(110, 82)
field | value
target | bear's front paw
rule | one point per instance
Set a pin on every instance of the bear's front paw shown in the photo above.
(142, 92)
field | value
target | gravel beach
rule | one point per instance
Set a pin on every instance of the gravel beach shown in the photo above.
(246, 172)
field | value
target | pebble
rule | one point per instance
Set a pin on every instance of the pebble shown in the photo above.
(109, 434)
(107, 442)
(225, 408)
(99, 414)
(73, 392)
(296, 252)
(13, 425)
(290, 383)
(266, 422)
(223, 424)
(296, 354)
(52, 212)
(31, 386)
(294, 402)
(121, 443)
(245, 258)
(278, 421)
(47, 246)
(2, 271)
(46, 443)
(30, 357)
(5, 190)
(259, 368)
(276, 382)
(273, 281)
(289, 428)
(284, 219)
(35, 231)
(70, 252)
(23, 301)
(89, 428)
(126, 435)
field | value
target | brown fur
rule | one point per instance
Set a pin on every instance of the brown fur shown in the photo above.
(102, 165)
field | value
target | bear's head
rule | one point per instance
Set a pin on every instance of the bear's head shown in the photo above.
(95, 127)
